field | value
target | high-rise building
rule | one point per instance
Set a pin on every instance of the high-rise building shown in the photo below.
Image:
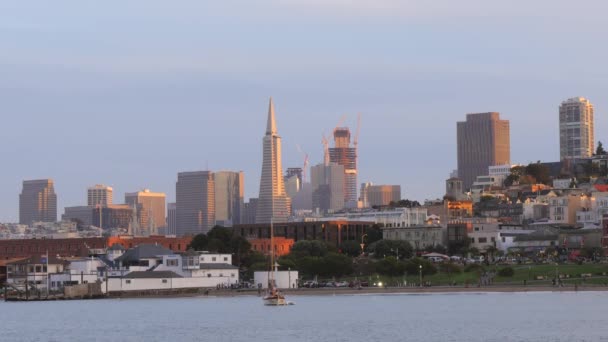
(151, 206)
(273, 203)
(346, 155)
(295, 171)
(99, 195)
(171, 219)
(483, 141)
(82, 215)
(229, 197)
(576, 132)
(327, 187)
(37, 202)
(195, 202)
(379, 195)
(250, 210)
(115, 216)
(363, 198)
(293, 181)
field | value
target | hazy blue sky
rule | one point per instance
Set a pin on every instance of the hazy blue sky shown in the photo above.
(128, 93)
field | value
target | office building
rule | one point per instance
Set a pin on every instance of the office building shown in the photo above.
(327, 187)
(229, 197)
(363, 198)
(151, 206)
(483, 141)
(115, 216)
(380, 195)
(343, 153)
(195, 202)
(171, 219)
(99, 195)
(82, 215)
(273, 203)
(37, 202)
(250, 210)
(576, 131)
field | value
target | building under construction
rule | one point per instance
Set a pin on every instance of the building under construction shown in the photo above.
(345, 154)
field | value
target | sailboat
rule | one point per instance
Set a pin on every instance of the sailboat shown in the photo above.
(273, 296)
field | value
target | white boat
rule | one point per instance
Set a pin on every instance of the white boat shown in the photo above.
(273, 296)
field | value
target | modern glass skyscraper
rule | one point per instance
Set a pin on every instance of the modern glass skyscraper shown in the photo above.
(346, 155)
(37, 202)
(229, 197)
(576, 132)
(273, 202)
(195, 202)
(483, 141)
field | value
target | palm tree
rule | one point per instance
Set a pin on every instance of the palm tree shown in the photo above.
(491, 251)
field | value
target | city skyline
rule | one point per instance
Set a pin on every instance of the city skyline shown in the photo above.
(193, 94)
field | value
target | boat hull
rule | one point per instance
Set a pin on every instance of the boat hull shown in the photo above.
(275, 301)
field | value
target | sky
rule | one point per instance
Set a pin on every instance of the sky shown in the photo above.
(129, 93)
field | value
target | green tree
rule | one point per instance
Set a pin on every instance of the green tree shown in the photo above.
(199, 242)
(390, 267)
(309, 248)
(539, 172)
(351, 248)
(600, 149)
(398, 248)
(373, 234)
(491, 252)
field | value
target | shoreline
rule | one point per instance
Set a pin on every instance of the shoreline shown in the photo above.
(227, 293)
(377, 291)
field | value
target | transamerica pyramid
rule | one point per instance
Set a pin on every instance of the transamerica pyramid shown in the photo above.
(273, 201)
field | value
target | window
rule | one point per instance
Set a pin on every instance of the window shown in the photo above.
(482, 240)
(226, 258)
(208, 275)
(232, 275)
(172, 262)
(221, 274)
(164, 281)
(213, 259)
(128, 281)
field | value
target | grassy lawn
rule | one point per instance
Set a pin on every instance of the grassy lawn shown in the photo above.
(529, 273)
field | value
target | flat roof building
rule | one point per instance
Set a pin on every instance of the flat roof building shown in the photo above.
(37, 202)
(195, 202)
(152, 206)
(483, 140)
(99, 195)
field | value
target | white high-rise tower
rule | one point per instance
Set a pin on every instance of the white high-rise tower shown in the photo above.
(576, 132)
(273, 201)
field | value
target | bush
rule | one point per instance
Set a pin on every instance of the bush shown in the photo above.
(412, 266)
(506, 272)
(390, 266)
(449, 267)
(474, 268)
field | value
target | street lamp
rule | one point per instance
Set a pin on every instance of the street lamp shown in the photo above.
(420, 267)
(363, 243)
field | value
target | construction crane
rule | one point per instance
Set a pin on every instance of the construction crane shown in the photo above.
(325, 143)
(356, 140)
(340, 122)
(306, 161)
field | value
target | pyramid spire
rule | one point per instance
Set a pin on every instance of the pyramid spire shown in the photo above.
(271, 126)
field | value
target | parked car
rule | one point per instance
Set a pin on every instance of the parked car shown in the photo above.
(435, 259)
(310, 284)
(342, 284)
